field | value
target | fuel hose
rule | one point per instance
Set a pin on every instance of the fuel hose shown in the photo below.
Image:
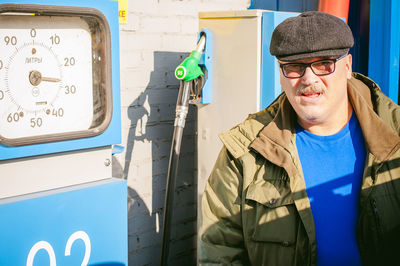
(186, 72)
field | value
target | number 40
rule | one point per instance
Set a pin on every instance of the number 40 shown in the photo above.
(50, 251)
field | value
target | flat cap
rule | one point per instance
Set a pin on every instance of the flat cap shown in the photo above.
(311, 34)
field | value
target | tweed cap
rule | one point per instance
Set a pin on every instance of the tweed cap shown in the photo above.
(311, 34)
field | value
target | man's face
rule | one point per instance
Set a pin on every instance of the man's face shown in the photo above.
(319, 100)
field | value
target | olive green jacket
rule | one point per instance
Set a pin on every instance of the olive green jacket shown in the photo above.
(255, 209)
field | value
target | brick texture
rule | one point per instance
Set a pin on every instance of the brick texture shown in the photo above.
(158, 36)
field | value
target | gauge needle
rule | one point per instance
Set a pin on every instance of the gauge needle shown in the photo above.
(51, 79)
(35, 77)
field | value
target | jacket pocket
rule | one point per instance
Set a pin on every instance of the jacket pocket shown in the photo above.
(276, 219)
(386, 212)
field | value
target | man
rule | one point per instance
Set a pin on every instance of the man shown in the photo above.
(314, 179)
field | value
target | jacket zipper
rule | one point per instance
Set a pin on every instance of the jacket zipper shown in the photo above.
(376, 214)
(378, 222)
(375, 207)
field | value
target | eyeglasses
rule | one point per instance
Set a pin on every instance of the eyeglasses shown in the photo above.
(320, 68)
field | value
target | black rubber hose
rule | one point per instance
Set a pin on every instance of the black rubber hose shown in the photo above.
(182, 107)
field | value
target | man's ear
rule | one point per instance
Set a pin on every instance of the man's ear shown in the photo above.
(349, 63)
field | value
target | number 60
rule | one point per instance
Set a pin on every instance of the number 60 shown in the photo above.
(49, 249)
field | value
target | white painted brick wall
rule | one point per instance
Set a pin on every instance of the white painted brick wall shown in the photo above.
(158, 36)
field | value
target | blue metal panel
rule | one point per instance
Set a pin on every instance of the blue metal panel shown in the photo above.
(206, 62)
(113, 133)
(95, 213)
(285, 5)
(270, 83)
(384, 46)
(262, 4)
(359, 24)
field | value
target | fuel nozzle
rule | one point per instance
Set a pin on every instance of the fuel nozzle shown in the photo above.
(188, 72)
(189, 69)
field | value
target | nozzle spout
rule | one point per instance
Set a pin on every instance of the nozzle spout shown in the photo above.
(201, 43)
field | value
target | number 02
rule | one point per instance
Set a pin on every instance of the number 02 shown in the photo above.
(50, 251)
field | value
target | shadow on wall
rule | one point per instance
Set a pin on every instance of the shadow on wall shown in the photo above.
(152, 117)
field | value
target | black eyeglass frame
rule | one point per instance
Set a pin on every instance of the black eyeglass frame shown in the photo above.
(334, 60)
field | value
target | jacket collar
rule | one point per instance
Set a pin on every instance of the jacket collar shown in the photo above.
(381, 140)
(274, 140)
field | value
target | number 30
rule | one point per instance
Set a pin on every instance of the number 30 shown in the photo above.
(49, 249)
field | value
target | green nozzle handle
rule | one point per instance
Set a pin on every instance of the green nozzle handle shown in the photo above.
(189, 69)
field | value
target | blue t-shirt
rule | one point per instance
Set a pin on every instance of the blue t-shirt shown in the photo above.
(333, 169)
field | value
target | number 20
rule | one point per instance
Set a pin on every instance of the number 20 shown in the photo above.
(50, 251)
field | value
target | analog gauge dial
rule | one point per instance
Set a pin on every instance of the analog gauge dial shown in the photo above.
(53, 78)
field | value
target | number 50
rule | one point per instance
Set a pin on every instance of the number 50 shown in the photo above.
(50, 251)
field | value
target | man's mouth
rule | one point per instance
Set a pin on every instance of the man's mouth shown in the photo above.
(313, 91)
(311, 94)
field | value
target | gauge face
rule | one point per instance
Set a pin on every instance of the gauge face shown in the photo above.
(52, 82)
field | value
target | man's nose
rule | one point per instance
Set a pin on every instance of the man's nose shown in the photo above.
(309, 77)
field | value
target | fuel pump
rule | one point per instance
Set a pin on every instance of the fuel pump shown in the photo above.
(60, 116)
(191, 79)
